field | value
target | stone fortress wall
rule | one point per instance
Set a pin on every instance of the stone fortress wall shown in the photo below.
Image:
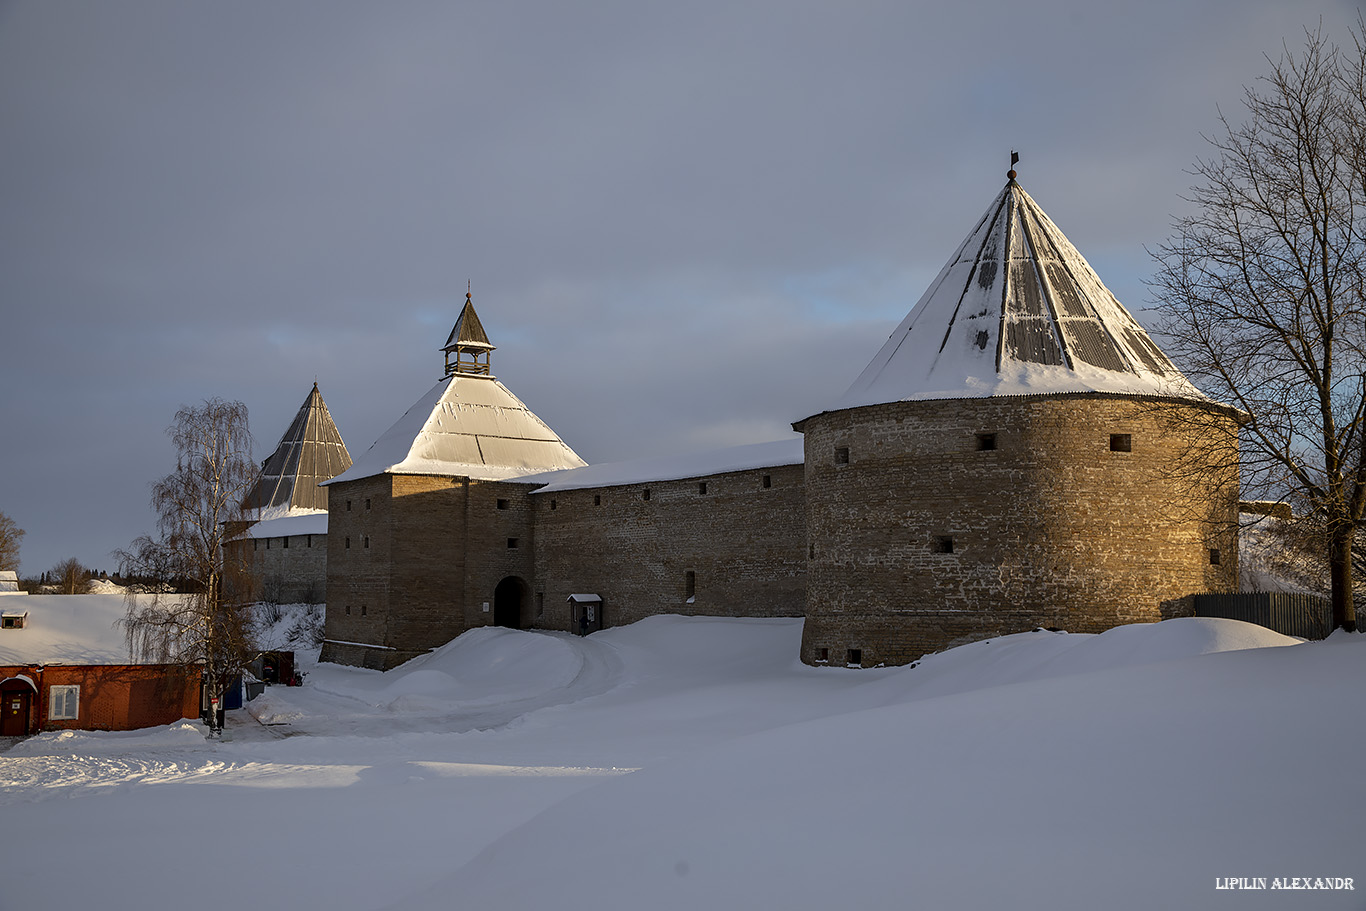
(934, 523)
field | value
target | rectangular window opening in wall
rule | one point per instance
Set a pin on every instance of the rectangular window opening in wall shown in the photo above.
(267, 543)
(855, 657)
(540, 604)
(552, 504)
(986, 442)
(63, 703)
(255, 543)
(597, 499)
(690, 586)
(367, 503)
(348, 542)
(841, 455)
(364, 610)
(767, 481)
(942, 544)
(512, 543)
(348, 505)
(366, 542)
(284, 542)
(823, 655)
(1214, 556)
(1121, 442)
(702, 487)
(348, 610)
(502, 504)
(645, 494)
(310, 541)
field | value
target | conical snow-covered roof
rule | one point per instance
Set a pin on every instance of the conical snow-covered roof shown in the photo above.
(466, 426)
(1016, 311)
(310, 452)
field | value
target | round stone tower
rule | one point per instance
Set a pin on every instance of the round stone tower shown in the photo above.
(1019, 454)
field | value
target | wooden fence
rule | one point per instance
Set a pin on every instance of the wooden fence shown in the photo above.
(1306, 616)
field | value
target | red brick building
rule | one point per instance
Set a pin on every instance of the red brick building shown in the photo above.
(64, 665)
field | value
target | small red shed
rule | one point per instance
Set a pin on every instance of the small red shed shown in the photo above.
(67, 667)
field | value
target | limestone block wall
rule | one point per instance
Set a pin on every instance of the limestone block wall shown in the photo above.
(289, 569)
(413, 559)
(725, 545)
(500, 545)
(935, 523)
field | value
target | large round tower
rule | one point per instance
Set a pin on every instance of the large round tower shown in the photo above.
(1019, 454)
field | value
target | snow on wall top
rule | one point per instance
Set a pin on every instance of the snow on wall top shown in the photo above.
(1016, 311)
(672, 467)
(295, 522)
(465, 426)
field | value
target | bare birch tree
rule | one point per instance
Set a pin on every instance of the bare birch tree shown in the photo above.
(1261, 292)
(210, 622)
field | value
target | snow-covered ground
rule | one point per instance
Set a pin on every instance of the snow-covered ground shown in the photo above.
(694, 763)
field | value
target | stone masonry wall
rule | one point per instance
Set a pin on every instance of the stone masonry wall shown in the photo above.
(941, 522)
(413, 559)
(289, 569)
(742, 542)
(358, 573)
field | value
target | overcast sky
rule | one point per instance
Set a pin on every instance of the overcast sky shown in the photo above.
(687, 225)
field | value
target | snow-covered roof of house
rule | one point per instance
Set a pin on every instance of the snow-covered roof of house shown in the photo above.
(672, 467)
(69, 629)
(1016, 310)
(310, 452)
(9, 582)
(467, 425)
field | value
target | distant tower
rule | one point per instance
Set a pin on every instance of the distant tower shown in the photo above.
(1005, 463)
(310, 452)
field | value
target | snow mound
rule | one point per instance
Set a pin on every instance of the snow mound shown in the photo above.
(480, 667)
(1142, 779)
(1042, 654)
(185, 733)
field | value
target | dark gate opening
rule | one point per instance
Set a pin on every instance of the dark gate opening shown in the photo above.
(507, 603)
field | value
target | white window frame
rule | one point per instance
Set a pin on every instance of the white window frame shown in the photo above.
(63, 702)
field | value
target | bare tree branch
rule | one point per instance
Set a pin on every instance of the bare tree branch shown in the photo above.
(1261, 289)
(197, 506)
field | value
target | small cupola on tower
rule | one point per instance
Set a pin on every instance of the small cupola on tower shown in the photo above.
(468, 349)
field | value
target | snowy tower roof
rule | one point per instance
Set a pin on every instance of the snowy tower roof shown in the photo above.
(467, 425)
(310, 452)
(1016, 311)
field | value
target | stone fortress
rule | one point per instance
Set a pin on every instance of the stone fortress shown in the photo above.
(1005, 462)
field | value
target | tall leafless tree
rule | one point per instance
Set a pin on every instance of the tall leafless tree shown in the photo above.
(197, 507)
(10, 536)
(1261, 289)
(70, 577)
